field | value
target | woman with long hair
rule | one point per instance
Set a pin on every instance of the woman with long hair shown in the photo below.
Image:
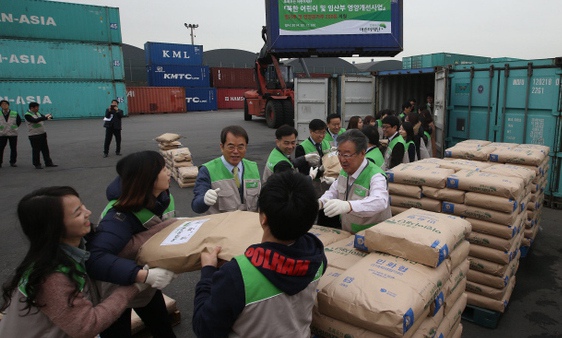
(50, 293)
(355, 122)
(139, 201)
(407, 132)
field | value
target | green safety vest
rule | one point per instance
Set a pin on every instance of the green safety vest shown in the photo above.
(145, 216)
(397, 139)
(229, 195)
(81, 280)
(34, 128)
(275, 157)
(10, 127)
(328, 137)
(309, 147)
(375, 156)
(359, 190)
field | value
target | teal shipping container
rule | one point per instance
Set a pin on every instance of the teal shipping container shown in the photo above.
(515, 102)
(55, 60)
(441, 60)
(65, 100)
(50, 20)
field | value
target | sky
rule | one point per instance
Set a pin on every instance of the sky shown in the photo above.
(525, 29)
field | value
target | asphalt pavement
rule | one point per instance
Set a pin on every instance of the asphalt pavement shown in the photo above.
(76, 146)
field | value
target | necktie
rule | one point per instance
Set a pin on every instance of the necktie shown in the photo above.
(319, 148)
(236, 178)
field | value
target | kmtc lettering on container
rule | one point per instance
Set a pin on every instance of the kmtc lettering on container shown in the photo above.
(181, 77)
(30, 20)
(13, 58)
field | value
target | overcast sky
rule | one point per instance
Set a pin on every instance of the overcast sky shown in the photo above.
(496, 28)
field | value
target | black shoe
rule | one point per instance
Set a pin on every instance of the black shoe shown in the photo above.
(52, 165)
(39, 167)
(13, 165)
(118, 154)
(104, 155)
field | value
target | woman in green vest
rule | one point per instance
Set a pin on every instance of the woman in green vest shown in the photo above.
(139, 200)
(50, 293)
(374, 153)
(407, 132)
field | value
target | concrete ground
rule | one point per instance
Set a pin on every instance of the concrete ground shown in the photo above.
(76, 146)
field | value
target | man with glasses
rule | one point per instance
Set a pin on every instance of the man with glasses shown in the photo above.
(360, 193)
(395, 152)
(229, 182)
(279, 159)
(316, 144)
(334, 129)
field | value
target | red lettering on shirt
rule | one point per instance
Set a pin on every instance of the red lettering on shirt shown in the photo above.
(269, 260)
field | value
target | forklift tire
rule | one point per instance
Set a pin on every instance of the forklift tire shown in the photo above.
(289, 113)
(247, 116)
(274, 116)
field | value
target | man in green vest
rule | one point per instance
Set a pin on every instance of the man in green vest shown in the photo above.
(38, 136)
(334, 129)
(360, 193)
(280, 157)
(9, 132)
(229, 182)
(270, 290)
(316, 144)
(395, 152)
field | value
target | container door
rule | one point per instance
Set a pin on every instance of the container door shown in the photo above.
(357, 97)
(440, 109)
(311, 102)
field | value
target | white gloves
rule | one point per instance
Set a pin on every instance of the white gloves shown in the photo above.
(211, 196)
(312, 159)
(312, 172)
(336, 207)
(159, 278)
(328, 180)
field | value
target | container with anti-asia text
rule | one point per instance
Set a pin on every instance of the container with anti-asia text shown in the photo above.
(201, 99)
(178, 76)
(334, 27)
(64, 99)
(53, 20)
(156, 100)
(59, 60)
(161, 53)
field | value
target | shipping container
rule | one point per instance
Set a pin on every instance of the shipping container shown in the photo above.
(231, 98)
(156, 100)
(356, 96)
(334, 28)
(161, 53)
(222, 77)
(178, 76)
(56, 60)
(50, 20)
(201, 99)
(64, 99)
(311, 102)
(515, 102)
(442, 60)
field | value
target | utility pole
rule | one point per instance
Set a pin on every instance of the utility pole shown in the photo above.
(191, 27)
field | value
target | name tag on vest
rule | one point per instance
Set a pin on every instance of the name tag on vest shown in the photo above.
(251, 185)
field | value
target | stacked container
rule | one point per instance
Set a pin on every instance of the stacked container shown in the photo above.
(178, 65)
(231, 84)
(66, 57)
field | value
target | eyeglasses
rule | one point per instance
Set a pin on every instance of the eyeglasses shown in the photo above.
(319, 132)
(346, 156)
(231, 147)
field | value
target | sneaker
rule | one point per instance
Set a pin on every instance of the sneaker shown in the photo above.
(13, 165)
(104, 155)
(52, 165)
(39, 167)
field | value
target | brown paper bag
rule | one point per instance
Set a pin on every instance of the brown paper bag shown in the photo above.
(418, 235)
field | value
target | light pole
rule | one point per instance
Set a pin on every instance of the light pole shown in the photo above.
(191, 27)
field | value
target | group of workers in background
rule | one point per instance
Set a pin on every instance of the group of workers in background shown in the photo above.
(79, 281)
